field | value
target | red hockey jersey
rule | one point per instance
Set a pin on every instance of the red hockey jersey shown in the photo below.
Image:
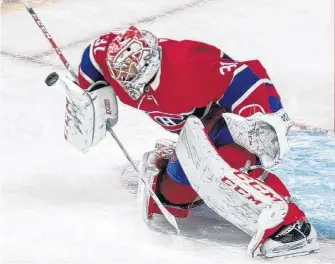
(192, 76)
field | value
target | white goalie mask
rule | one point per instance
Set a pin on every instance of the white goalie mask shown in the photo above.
(133, 60)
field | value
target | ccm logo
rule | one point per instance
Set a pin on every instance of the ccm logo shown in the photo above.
(253, 184)
(108, 106)
(250, 138)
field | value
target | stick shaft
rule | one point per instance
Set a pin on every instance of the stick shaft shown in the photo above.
(52, 42)
(171, 219)
(110, 130)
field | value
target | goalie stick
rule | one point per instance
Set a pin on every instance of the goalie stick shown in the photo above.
(52, 79)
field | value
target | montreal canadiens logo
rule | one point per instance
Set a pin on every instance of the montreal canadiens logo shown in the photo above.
(251, 109)
(171, 122)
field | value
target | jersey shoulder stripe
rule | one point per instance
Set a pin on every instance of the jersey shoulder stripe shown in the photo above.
(242, 85)
(89, 71)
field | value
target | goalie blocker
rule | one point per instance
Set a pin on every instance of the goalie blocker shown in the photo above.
(277, 226)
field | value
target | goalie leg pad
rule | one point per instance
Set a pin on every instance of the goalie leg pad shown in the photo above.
(262, 134)
(154, 177)
(231, 193)
(237, 157)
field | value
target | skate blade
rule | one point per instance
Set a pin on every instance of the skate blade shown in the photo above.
(292, 253)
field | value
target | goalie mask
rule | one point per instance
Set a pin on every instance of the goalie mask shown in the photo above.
(133, 60)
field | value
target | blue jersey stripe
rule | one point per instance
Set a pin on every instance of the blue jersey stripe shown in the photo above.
(240, 84)
(176, 173)
(275, 103)
(88, 68)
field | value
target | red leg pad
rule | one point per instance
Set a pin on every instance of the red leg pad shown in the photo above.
(276, 184)
(176, 193)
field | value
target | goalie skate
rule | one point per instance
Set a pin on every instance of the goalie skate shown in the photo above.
(297, 239)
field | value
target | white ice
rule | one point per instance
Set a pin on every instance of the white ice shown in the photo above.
(60, 206)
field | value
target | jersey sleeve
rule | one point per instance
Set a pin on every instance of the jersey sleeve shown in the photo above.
(89, 70)
(250, 91)
(90, 67)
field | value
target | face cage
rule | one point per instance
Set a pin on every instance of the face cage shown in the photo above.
(135, 87)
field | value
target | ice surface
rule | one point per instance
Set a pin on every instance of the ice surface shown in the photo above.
(59, 206)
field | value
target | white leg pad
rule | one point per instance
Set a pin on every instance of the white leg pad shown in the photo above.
(147, 173)
(232, 194)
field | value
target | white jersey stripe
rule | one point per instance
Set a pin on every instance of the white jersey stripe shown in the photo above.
(94, 63)
(88, 79)
(239, 69)
(236, 71)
